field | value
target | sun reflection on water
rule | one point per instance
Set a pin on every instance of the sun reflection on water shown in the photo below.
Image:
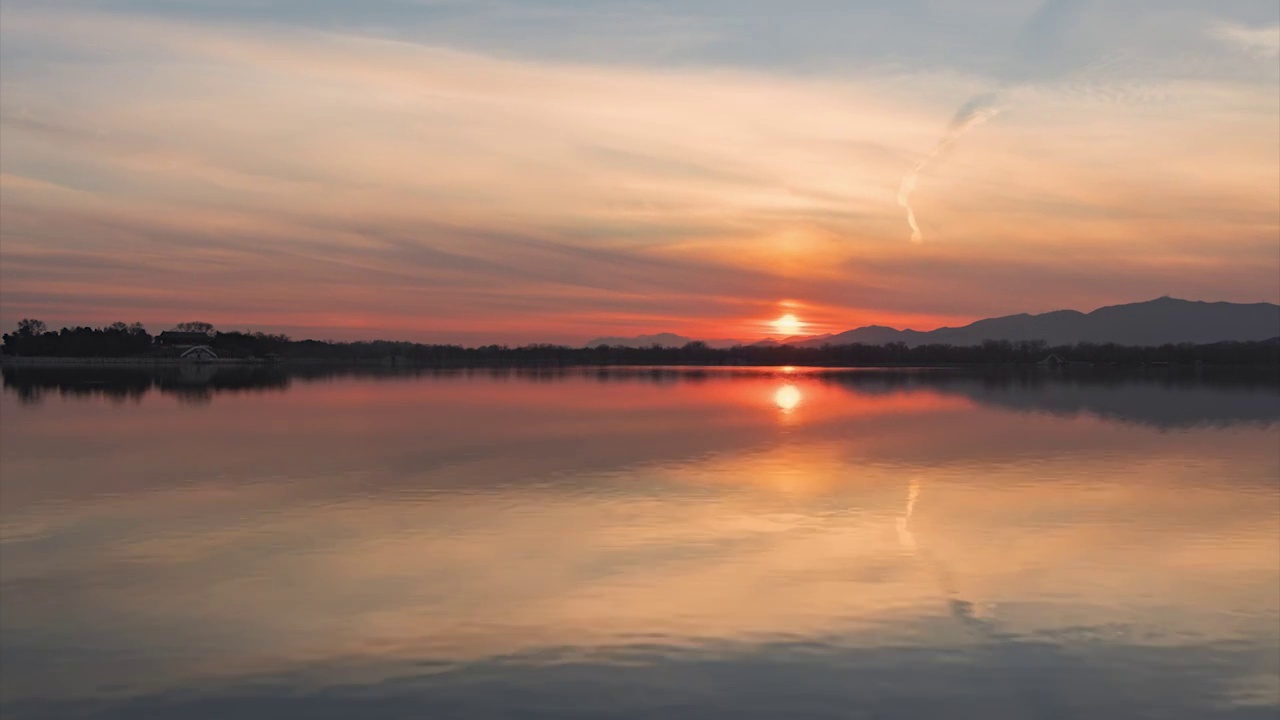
(787, 398)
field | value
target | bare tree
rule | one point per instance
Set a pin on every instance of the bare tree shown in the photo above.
(29, 326)
(195, 327)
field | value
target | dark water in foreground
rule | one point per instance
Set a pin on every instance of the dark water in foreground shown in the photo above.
(635, 544)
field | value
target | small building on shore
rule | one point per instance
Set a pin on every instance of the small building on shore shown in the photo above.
(199, 353)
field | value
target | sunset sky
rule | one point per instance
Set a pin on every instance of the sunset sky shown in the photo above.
(513, 171)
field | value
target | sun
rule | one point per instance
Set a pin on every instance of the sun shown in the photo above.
(788, 324)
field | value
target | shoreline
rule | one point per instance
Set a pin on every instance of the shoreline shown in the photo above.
(286, 363)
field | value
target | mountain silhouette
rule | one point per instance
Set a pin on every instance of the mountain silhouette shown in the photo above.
(674, 340)
(1155, 322)
(1161, 321)
(663, 339)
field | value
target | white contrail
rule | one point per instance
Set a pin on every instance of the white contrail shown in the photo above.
(978, 109)
(1036, 40)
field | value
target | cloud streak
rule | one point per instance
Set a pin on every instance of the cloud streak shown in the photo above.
(1037, 39)
(1262, 42)
(976, 111)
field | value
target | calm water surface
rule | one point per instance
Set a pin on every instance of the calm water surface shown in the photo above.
(638, 544)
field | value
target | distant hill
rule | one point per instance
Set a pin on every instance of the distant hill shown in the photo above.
(1156, 322)
(671, 340)
(662, 339)
(674, 340)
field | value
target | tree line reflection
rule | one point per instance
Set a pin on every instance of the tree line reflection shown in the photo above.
(1162, 397)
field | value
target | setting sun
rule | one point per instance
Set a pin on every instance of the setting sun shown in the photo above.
(788, 324)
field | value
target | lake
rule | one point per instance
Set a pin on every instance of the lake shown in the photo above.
(213, 542)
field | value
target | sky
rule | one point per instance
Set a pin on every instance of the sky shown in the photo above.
(522, 171)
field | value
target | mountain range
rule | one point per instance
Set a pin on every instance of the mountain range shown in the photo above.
(1155, 322)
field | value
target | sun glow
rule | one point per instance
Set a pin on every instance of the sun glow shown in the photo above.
(788, 324)
(787, 398)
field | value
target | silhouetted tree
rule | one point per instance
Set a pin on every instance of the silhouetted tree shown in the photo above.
(31, 326)
(194, 327)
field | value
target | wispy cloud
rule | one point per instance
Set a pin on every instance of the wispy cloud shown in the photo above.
(1260, 41)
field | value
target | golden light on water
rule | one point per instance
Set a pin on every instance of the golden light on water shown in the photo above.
(787, 398)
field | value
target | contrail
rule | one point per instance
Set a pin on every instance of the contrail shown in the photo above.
(977, 110)
(1038, 37)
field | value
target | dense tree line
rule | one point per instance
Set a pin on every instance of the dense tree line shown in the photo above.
(121, 340)
(115, 340)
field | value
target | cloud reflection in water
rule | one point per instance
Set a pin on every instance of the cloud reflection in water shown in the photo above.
(460, 545)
